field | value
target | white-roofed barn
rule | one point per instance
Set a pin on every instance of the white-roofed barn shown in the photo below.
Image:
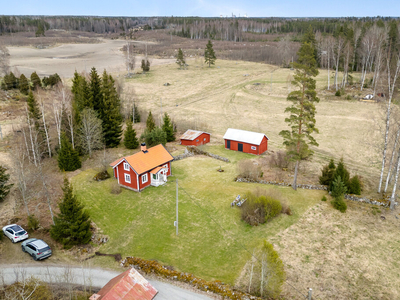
(246, 141)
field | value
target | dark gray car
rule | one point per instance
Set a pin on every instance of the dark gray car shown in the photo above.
(36, 248)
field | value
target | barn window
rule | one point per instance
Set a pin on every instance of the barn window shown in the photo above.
(253, 148)
(144, 178)
(197, 140)
(126, 166)
(127, 178)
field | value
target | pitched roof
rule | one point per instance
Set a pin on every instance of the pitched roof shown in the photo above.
(129, 285)
(156, 170)
(191, 134)
(244, 136)
(142, 162)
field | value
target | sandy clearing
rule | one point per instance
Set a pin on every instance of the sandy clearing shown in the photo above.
(67, 58)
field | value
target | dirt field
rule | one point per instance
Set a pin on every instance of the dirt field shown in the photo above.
(65, 59)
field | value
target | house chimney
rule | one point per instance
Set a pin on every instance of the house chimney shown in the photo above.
(143, 147)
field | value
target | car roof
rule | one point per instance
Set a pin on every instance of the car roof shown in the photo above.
(39, 244)
(16, 228)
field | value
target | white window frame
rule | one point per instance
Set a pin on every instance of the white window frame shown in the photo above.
(145, 178)
(126, 166)
(253, 148)
(205, 139)
(127, 178)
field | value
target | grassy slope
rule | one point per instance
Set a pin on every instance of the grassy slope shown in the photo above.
(141, 224)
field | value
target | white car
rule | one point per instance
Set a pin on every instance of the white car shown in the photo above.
(15, 233)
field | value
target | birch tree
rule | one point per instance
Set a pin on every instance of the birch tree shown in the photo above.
(4, 60)
(337, 54)
(90, 132)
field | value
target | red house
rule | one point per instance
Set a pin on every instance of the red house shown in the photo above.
(195, 138)
(246, 141)
(147, 167)
(129, 285)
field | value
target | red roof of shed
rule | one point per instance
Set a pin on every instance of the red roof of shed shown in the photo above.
(129, 285)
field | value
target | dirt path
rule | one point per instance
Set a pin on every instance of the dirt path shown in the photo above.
(67, 58)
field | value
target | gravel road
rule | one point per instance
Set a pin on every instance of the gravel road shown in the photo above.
(89, 277)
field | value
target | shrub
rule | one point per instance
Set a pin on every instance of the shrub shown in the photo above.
(33, 222)
(247, 169)
(323, 198)
(355, 186)
(279, 159)
(115, 188)
(339, 204)
(103, 175)
(338, 94)
(154, 137)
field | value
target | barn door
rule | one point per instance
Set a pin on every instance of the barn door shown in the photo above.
(240, 147)
(228, 144)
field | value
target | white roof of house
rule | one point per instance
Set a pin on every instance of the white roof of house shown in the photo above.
(191, 134)
(244, 136)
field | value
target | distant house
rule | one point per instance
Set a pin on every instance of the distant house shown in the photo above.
(148, 167)
(129, 285)
(195, 138)
(246, 141)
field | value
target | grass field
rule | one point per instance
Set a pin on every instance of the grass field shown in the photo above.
(142, 224)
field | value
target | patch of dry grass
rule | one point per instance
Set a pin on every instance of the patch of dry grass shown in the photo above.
(342, 256)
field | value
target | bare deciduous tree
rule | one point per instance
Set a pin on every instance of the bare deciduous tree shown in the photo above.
(4, 60)
(130, 58)
(90, 131)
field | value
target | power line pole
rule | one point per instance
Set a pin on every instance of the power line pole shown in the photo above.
(310, 294)
(176, 222)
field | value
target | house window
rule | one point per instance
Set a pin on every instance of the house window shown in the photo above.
(204, 139)
(144, 178)
(165, 166)
(155, 177)
(126, 166)
(253, 148)
(127, 178)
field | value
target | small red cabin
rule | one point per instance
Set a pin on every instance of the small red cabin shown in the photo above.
(246, 141)
(148, 167)
(195, 138)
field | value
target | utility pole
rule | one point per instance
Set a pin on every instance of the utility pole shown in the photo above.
(129, 69)
(176, 222)
(133, 111)
(310, 294)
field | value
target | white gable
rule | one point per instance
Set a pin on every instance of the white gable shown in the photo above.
(244, 136)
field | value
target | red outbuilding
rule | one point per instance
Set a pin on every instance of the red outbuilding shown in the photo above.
(246, 141)
(195, 138)
(148, 167)
(129, 285)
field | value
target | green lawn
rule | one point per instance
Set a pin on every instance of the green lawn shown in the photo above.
(142, 224)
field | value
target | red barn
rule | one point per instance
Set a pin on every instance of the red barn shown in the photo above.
(195, 138)
(129, 285)
(148, 167)
(246, 141)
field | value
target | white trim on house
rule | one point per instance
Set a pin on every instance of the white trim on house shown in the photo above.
(244, 136)
(117, 174)
(127, 178)
(145, 176)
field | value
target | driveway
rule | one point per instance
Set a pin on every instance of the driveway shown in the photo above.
(88, 277)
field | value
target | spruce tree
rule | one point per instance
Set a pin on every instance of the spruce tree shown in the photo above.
(342, 172)
(302, 110)
(180, 59)
(136, 114)
(23, 84)
(338, 191)
(328, 172)
(110, 112)
(4, 187)
(35, 79)
(68, 158)
(209, 54)
(95, 90)
(168, 128)
(150, 123)
(309, 37)
(154, 137)
(72, 224)
(80, 92)
(355, 185)
(130, 139)
(33, 109)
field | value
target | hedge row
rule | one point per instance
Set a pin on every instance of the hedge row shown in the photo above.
(217, 287)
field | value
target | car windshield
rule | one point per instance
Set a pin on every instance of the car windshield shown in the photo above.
(20, 233)
(44, 249)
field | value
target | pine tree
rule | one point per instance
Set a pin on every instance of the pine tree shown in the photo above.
(168, 128)
(23, 84)
(180, 59)
(150, 123)
(68, 158)
(302, 110)
(95, 97)
(209, 54)
(309, 37)
(130, 139)
(110, 112)
(328, 172)
(4, 187)
(72, 224)
(35, 79)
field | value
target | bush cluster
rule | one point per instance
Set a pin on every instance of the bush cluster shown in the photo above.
(261, 207)
(217, 287)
